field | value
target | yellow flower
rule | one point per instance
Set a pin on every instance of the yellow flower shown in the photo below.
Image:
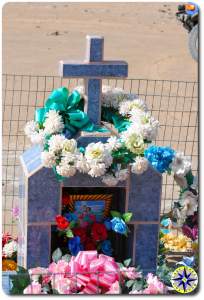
(9, 265)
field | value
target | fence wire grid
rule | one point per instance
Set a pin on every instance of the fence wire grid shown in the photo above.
(173, 103)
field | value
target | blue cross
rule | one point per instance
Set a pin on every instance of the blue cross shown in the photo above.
(93, 70)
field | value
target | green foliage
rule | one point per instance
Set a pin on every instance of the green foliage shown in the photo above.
(72, 224)
(19, 281)
(57, 255)
(164, 273)
(115, 214)
(127, 217)
(127, 262)
(189, 177)
(66, 257)
(69, 233)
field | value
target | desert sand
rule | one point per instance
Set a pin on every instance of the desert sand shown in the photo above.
(147, 35)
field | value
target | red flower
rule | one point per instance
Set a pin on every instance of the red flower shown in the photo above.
(62, 222)
(81, 232)
(90, 245)
(6, 237)
(65, 199)
(99, 232)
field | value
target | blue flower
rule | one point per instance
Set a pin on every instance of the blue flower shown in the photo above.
(160, 157)
(106, 247)
(75, 245)
(108, 224)
(71, 217)
(118, 225)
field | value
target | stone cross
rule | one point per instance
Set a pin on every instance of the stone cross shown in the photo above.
(93, 69)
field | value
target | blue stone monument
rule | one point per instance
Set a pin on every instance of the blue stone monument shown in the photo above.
(41, 193)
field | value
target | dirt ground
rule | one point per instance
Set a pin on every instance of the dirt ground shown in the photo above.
(147, 35)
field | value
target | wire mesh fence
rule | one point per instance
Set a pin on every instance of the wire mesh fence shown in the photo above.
(173, 103)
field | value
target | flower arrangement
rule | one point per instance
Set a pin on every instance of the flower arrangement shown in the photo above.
(63, 116)
(9, 252)
(87, 273)
(85, 232)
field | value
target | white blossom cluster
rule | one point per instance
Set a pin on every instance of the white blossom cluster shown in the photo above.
(10, 249)
(53, 124)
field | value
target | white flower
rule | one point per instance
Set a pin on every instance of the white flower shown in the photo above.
(113, 143)
(133, 140)
(122, 175)
(97, 169)
(145, 124)
(10, 248)
(56, 143)
(189, 201)
(48, 159)
(111, 97)
(38, 137)
(31, 128)
(98, 153)
(53, 122)
(140, 165)
(69, 146)
(110, 180)
(81, 164)
(66, 167)
(126, 107)
(181, 164)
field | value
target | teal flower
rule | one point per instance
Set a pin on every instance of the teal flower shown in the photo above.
(118, 225)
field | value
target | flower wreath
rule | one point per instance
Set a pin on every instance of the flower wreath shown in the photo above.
(134, 128)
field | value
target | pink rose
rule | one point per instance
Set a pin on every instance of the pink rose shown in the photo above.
(61, 284)
(33, 288)
(130, 273)
(155, 286)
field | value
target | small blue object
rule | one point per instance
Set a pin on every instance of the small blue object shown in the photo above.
(108, 224)
(118, 225)
(74, 245)
(71, 217)
(187, 261)
(106, 247)
(160, 157)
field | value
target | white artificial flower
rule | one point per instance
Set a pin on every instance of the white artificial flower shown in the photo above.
(53, 122)
(67, 167)
(9, 249)
(122, 174)
(189, 203)
(56, 143)
(97, 169)
(38, 137)
(31, 128)
(48, 159)
(136, 105)
(110, 180)
(113, 143)
(181, 164)
(111, 97)
(133, 140)
(98, 153)
(81, 164)
(140, 165)
(69, 146)
(146, 124)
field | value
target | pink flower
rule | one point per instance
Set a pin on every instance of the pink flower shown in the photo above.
(60, 267)
(33, 288)
(35, 273)
(16, 211)
(155, 286)
(115, 288)
(62, 285)
(130, 273)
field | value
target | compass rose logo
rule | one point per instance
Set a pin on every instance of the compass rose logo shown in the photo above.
(184, 280)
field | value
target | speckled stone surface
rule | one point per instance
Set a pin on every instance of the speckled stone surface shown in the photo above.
(94, 48)
(38, 241)
(43, 196)
(93, 105)
(146, 246)
(145, 195)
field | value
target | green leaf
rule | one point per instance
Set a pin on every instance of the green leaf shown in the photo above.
(19, 281)
(129, 283)
(121, 265)
(138, 285)
(56, 255)
(66, 257)
(69, 233)
(127, 217)
(115, 214)
(189, 177)
(72, 224)
(127, 262)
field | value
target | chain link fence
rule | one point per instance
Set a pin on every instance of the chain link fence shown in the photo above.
(173, 103)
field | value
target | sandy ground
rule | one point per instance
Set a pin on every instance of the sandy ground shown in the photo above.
(146, 35)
